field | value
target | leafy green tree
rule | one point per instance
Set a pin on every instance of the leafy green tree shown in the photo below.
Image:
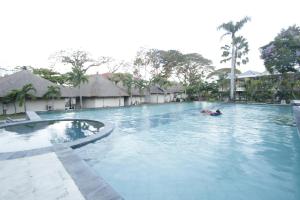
(81, 62)
(139, 82)
(52, 93)
(157, 64)
(235, 52)
(282, 54)
(193, 68)
(50, 75)
(25, 93)
(260, 89)
(126, 80)
(202, 89)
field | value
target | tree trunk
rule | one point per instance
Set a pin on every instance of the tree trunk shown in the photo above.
(25, 105)
(15, 107)
(52, 103)
(80, 97)
(130, 95)
(232, 74)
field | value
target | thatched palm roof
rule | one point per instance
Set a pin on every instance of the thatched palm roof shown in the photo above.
(176, 88)
(21, 78)
(155, 89)
(98, 86)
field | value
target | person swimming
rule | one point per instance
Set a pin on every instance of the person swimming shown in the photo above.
(211, 113)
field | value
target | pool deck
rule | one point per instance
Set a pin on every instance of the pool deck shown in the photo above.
(52, 173)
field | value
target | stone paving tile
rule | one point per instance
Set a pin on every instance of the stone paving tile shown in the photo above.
(37, 177)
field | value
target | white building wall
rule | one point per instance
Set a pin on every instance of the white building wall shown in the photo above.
(88, 103)
(168, 97)
(157, 98)
(99, 102)
(137, 100)
(113, 102)
(34, 105)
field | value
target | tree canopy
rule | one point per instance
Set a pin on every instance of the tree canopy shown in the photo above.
(283, 53)
(50, 75)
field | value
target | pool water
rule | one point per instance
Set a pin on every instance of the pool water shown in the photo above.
(34, 135)
(173, 152)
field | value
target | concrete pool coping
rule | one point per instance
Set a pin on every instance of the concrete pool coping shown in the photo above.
(90, 185)
(296, 112)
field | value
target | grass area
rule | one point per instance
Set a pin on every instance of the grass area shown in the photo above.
(13, 116)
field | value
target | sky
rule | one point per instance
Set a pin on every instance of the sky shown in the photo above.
(33, 30)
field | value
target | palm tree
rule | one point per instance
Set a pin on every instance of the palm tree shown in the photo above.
(25, 93)
(11, 98)
(237, 45)
(76, 78)
(52, 93)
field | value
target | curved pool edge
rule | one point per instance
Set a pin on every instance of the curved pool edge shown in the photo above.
(102, 133)
(90, 185)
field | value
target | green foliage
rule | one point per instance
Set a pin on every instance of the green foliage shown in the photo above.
(202, 90)
(52, 92)
(25, 93)
(76, 77)
(20, 95)
(222, 73)
(273, 88)
(241, 49)
(11, 98)
(125, 79)
(260, 90)
(80, 61)
(283, 53)
(50, 75)
(194, 67)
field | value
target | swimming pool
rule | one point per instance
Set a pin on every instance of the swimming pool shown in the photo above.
(174, 152)
(40, 134)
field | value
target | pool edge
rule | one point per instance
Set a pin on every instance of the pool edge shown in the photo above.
(91, 185)
(296, 113)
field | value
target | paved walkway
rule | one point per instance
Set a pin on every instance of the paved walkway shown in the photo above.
(37, 177)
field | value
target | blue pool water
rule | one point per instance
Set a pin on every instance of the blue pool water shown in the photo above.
(172, 152)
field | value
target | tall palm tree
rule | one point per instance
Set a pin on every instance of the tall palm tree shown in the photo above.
(77, 77)
(24, 93)
(52, 93)
(237, 43)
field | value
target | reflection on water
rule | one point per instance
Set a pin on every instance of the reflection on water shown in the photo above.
(41, 134)
(284, 120)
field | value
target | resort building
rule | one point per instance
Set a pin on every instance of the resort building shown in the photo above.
(21, 78)
(136, 95)
(176, 92)
(97, 92)
(156, 94)
(100, 92)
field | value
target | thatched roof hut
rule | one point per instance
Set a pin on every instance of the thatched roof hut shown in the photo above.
(98, 86)
(21, 78)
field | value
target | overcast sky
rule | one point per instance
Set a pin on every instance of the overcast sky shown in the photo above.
(33, 30)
